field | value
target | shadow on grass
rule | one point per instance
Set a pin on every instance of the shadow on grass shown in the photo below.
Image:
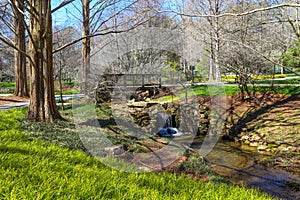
(258, 109)
(6, 149)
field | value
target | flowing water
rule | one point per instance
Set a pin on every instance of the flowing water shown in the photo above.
(228, 159)
(165, 120)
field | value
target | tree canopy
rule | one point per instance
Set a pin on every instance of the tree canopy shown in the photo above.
(291, 58)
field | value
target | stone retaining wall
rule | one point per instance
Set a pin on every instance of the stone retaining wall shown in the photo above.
(144, 115)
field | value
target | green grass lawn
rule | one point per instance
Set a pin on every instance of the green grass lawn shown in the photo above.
(228, 91)
(285, 90)
(287, 81)
(7, 87)
(7, 84)
(69, 92)
(199, 90)
(31, 168)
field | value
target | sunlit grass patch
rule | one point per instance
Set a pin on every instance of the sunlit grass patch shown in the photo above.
(7, 84)
(31, 168)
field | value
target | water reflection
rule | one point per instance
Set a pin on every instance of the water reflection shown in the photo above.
(227, 159)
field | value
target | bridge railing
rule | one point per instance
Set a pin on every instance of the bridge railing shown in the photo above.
(131, 80)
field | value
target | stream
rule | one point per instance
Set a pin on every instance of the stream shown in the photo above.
(229, 160)
(237, 164)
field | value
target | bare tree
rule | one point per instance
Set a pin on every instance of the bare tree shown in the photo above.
(86, 43)
(13, 24)
(42, 105)
(216, 12)
(100, 18)
(66, 61)
(21, 88)
(207, 30)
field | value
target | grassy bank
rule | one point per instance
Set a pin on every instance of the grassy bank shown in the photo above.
(222, 90)
(7, 84)
(34, 169)
(7, 87)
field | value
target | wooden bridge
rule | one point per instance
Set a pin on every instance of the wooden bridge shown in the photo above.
(141, 80)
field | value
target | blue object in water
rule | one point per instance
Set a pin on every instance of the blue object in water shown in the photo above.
(169, 132)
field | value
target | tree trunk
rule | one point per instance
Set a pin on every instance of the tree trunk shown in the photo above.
(217, 41)
(21, 88)
(86, 45)
(218, 74)
(60, 87)
(211, 60)
(42, 99)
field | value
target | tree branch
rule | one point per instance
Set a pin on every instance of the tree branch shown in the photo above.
(94, 35)
(10, 44)
(265, 57)
(64, 3)
(232, 14)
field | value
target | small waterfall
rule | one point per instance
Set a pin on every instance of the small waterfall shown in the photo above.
(167, 125)
(165, 121)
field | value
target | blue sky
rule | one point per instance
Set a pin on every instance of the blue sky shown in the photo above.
(62, 17)
(70, 16)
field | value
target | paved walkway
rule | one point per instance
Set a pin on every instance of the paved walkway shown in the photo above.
(285, 78)
(26, 103)
(234, 84)
(14, 105)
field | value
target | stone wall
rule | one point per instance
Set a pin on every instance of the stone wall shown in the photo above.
(186, 117)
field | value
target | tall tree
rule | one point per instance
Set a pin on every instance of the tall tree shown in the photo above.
(86, 43)
(42, 105)
(207, 30)
(100, 18)
(217, 14)
(216, 7)
(21, 88)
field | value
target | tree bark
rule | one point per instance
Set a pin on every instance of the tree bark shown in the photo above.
(217, 41)
(60, 86)
(21, 88)
(211, 58)
(86, 45)
(42, 105)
